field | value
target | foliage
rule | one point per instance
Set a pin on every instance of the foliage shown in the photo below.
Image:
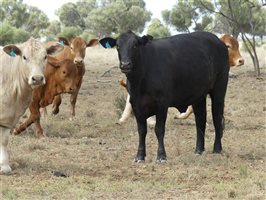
(37, 20)
(186, 15)
(70, 16)
(70, 32)
(22, 16)
(14, 12)
(157, 29)
(115, 16)
(52, 30)
(10, 34)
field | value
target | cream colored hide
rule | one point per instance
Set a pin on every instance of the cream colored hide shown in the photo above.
(21, 69)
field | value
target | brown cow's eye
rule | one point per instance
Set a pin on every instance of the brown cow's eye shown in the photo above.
(64, 72)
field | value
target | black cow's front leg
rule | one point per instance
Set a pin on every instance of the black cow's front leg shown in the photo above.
(159, 131)
(200, 118)
(142, 130)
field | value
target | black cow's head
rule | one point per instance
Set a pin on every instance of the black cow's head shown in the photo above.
(128, 45)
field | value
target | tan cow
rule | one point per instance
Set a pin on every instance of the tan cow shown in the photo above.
(62, 76)
(21, 70)
(78, 50)
(235, 59)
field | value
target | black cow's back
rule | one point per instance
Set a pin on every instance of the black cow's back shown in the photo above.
(183, 68)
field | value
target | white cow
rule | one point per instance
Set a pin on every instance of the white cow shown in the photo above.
(21, 69)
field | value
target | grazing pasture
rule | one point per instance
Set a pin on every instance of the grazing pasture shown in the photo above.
(91, 157)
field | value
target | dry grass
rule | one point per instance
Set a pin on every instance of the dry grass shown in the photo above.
(96, 154)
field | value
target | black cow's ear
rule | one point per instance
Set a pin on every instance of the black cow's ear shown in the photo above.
(145, 39)
(108, 42)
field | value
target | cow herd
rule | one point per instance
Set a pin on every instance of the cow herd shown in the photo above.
(178, 71)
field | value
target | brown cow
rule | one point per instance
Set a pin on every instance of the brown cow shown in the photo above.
(235, 59)
(78, 50)
(61, 76)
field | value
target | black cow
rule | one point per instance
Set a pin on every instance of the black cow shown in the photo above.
(176, 72)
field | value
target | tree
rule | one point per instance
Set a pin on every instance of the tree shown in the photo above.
(52, 30)
(14, 12)
(36, 21)
(70, 32)
(186, 15)
(157, 29)
(70, 16)
(11, 35)
(115, 16)
(244, 17)
(22, 16)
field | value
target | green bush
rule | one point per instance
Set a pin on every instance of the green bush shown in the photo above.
(11, 35)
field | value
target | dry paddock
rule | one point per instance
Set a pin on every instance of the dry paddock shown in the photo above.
(95, 155)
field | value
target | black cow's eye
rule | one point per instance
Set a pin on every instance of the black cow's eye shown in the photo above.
(45, 57)
(135, 46)
(24, 57)
(64, 72)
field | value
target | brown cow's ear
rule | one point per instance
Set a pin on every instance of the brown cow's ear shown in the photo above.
(12, 50)
(53, 61)
(54, 49)
(63, 41)
(93, 42)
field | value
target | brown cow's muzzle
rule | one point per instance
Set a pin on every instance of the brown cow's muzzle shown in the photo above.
(78, 61)
(240, 62)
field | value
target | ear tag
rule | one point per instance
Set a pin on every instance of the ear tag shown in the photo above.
(12, 53)
(62, 42)
(107, 45)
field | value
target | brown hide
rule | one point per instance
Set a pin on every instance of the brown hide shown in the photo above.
(61, 77)
(77, 53)
(235, 59)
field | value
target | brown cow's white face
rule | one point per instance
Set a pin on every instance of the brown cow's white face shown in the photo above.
(235, 59)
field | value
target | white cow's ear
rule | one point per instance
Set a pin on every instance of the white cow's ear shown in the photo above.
(12, 50)
(108, 42)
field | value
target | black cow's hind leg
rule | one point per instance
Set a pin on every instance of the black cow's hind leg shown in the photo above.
(200, 117)
(160, 131)
(142, 130)
(218, 121)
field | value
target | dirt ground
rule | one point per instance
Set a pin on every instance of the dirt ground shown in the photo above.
(94, 155)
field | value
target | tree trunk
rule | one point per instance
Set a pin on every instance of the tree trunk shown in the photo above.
(251, 48)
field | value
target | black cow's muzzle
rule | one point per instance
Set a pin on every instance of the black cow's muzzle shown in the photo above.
(125, 67)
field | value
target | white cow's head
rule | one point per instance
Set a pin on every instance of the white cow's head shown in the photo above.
(33, 55)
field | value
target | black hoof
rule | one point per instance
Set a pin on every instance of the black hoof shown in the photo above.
(137, 160)
(161, 161)
(199, 152)
(217, 151)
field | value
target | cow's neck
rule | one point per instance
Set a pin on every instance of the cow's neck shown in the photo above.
(49, 91)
